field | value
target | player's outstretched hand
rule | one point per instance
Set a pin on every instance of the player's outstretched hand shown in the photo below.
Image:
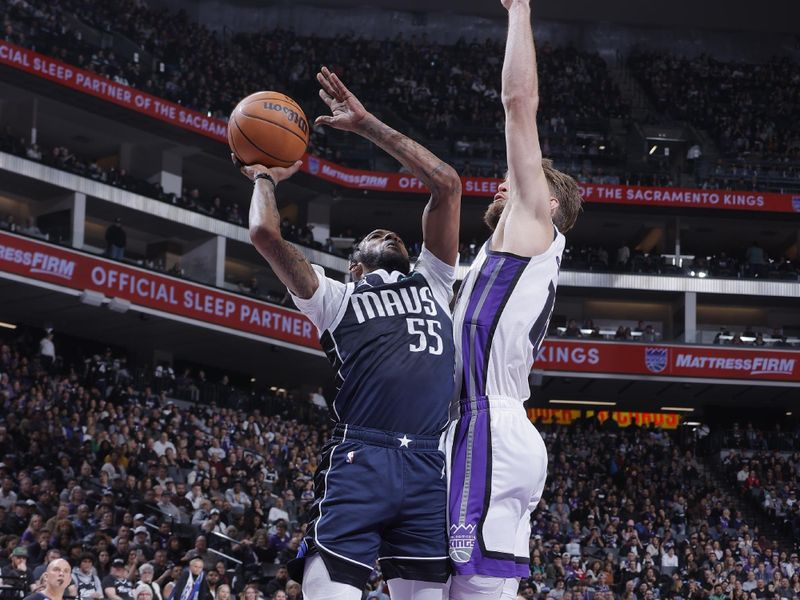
(346, 110)
(277, 173)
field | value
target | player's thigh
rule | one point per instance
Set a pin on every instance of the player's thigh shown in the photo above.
(513, 482)
(317, 583)
(414, 545)
(405, 589)
(481, 587)
(353, 506)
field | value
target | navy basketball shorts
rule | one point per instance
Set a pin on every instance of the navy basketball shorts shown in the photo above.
(380, 496)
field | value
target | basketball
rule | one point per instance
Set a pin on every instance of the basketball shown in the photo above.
(268, 128)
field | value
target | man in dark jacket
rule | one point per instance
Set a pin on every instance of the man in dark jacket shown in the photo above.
(17, 575)
(116, 240)
(192, 585)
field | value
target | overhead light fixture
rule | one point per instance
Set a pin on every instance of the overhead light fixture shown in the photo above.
(789, 414)
(678, 408)
(92, 298)
(5, 325)
(119, 306)
(653, 150)
(693, 423)
(583, 402)
(252, 380)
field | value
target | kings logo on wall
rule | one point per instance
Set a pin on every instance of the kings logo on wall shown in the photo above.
(656, 359)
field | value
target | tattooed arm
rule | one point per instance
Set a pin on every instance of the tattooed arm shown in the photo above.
(288, 263)
(441, 219)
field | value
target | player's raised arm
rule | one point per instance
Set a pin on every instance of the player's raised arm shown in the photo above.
(526, 227)
(291, 267)
(441, 219)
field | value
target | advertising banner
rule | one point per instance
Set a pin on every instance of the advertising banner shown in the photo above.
(169, 112)
(54, 264)
(595, 193)
(111, 91)
(626, 358)
(61, 266)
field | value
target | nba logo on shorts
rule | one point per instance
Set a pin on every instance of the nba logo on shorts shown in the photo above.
(655, 359)
(796, 203)
(462, 540)
(313, 166)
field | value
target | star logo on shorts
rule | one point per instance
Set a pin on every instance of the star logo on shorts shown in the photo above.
(404, 441)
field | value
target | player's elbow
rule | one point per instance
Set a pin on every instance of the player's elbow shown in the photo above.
(521, 100)
(447, 183)
(262, 236)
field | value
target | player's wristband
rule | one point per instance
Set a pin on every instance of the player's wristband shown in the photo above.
(266, 176)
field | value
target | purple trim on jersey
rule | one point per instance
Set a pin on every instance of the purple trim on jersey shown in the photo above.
(481, 281)
(503, 271)
(491, 567)
(478, 467)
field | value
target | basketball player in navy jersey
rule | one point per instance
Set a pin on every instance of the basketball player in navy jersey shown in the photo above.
(381, 488)
(497, 460)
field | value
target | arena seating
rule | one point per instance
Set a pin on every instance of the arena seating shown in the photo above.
(447, 93)
(94, 449)
(748, 108)
(442, 84)
(438, 94)
(764, 466)
(624, 260)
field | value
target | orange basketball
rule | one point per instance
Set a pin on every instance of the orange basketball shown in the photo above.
(268, 128)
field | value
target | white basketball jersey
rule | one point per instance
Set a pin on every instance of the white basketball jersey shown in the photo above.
(500, 319)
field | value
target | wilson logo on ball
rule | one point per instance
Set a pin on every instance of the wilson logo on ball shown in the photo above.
(289, 113)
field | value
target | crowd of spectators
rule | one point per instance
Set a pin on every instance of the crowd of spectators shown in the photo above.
(641, 332)
(753, 263)
(765, 467)
(750, 336)
(444, 91)
(447, 94)
(132, 488)
(751, 109)
(777, 175)
(97, 468)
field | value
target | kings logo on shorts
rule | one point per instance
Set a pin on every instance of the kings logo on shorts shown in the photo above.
(656, 359)
(462, 541)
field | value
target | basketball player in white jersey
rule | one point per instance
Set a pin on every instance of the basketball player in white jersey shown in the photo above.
(497, 459)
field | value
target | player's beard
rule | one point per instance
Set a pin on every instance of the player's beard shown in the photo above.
(389, 260)
(493, 212)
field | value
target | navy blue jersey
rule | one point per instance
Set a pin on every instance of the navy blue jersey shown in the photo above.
(390, 339)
